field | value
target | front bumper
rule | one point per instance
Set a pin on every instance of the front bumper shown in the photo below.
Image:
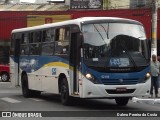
(90, 90)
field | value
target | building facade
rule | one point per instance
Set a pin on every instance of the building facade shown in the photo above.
(130, 4)
(10, 20)
(119, 4)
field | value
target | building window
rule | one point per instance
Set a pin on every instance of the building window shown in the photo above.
(140, 3)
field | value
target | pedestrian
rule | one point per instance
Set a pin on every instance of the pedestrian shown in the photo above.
(155, 71)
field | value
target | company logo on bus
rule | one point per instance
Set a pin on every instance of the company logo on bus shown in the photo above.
(54, 70)
(121, 80)
(105, 76)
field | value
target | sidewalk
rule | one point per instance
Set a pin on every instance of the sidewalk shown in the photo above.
(147, 99)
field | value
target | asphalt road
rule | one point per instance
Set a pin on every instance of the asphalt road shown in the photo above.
(11, 99)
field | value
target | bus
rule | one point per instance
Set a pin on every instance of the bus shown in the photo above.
(89, 57)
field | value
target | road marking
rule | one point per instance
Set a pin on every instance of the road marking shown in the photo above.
(7, 99)
(36, 99)
(9, 91)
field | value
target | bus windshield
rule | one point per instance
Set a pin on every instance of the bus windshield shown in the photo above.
(115, 45)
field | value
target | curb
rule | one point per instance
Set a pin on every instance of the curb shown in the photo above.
(146, 100)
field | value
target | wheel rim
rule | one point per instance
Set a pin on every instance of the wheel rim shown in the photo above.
(4, 77)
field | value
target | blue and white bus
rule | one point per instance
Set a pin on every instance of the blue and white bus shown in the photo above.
(90, 57)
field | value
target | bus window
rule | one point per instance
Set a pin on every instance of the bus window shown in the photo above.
(47, 42)
(35, 39)
(62, 41)
(61, 48)
(24, 50)
(25, 38)
(34, 49)
(48, 35)
(52, 34)
(31, 38)
(47, 48)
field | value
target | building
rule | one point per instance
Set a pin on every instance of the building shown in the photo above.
(119, 4)
(27, 1)
(140, 3)
(14, 16)
(41, 1)
(130, 4)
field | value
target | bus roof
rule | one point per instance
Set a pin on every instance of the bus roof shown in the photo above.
(77, 21)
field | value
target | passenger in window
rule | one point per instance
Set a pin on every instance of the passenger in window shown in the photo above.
(22, 52)
(64, 51)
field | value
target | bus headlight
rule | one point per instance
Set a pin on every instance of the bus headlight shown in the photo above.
(145, 78)
(148, 75)
(91, 78)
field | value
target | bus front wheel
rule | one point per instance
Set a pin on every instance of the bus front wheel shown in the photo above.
(25, 90)
(65, 99)
(122, 101)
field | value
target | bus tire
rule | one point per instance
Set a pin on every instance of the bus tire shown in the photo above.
(35, 93)
(65, 98)
(122, 101)
(25, 90)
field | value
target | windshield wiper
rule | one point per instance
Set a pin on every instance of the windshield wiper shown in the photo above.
(99, 33)
(106, 31)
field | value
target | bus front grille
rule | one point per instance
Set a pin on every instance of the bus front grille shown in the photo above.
(119, 81)
(120, 92)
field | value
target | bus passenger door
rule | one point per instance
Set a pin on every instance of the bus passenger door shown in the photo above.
(15, 64)
(74, 62)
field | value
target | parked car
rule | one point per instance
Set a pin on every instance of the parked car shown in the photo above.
(4, 73)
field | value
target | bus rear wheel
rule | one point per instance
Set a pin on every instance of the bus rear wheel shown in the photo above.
(122, 101)
(65, 98)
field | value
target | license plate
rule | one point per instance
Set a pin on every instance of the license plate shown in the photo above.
(121, 89)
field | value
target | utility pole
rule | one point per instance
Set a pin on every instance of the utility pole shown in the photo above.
(154, 27)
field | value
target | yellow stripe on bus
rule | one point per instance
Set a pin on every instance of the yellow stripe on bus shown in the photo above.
(59, 64)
